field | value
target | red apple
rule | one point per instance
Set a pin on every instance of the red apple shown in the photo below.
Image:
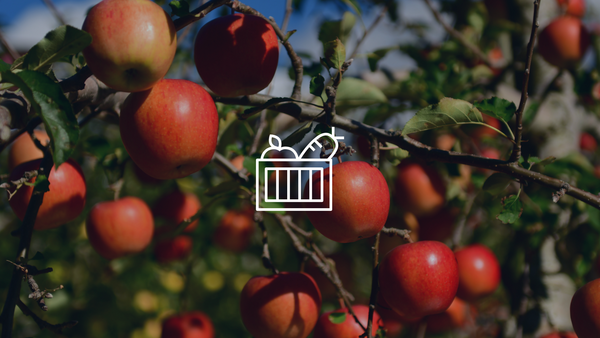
(235, 230)
(454, 317)
(585, 310)
(170, 131)
(173, 249)
(572, 7)
(564, 42)
(280, 306)
(174, 207)
(120, 228)
(133, 43)
(560, 335)
(478, 272)
(62, 204)
(236, 54)
(445, 141)
(326, 328)
(419, 279)
(587, 142)
(419, 188)
(24, 150)
(361, 202)
(193, 324)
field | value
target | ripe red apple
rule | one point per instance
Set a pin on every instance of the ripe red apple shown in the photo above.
(419, 279)
(560, 335)
(478, 272)
(585, 310)
(236, 54)
(193, 324)
(133, 43)
(280, 306)
(62, 204)
(170, 131)
(235, 230)
(173, 249)
(572, 7)
(419, 188)
(564, 42)
(174, 207)
(24, 150)
(325, 328)
(361, 202)
(454, 317)
(587, 142)
(120, 228)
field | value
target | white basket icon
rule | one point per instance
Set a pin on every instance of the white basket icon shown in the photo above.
(294, 176)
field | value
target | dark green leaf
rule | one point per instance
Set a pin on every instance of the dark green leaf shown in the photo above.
(322, 128)
(497, 107)
(331, 30)
(250, 164)
(224, 187)
(448, 112)
(37, 257)
(395, 156)
(298, 135)
(180, 8)
(512, 209)
(62, 41)
(337, 317)
(271, 102)
(18, 63)
(317, 85)
(56, 113)
(356, 92)
(497, 183)
(335, 53)
(41, 183)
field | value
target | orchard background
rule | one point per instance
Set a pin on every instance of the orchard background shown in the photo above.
(534, 214)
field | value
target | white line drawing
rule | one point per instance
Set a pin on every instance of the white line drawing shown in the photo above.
(276, 144)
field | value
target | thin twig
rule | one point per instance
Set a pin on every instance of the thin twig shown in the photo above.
(404, 233)
(516, 153)
(460, 223)
(286, 16)
(198, 13)
(262, 124)
(8, 48)
(58, 328)
(55, 12)
(374, 151)
(368, 31)
(374, 287)
(266, 255)
(458, 36)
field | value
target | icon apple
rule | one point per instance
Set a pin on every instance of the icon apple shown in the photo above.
(24, 150)
(173, 249)
(63, 203)
(585, 310)
(170, 131)
(194, 324)
(236, 54)
(572, 7)
(120, 228)
(563, 42)
(235, 230)
(419, 279)
(361, 202)
(281, 305)
(174, 207)
(419, 188)
(327, 327)
(478, 272)
(133, 43)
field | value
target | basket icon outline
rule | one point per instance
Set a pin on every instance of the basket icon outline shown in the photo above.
(276, 144)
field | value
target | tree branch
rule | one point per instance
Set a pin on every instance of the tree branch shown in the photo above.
(58, 328)
(198, 13)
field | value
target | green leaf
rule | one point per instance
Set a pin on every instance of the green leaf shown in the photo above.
(41, 183)
(395, 156)
(278, 205)
(335, 53)
(317, 85)
(180, 8)
(511, 210)
(271, 102)
(374, 57)
(18, 63)
(448, 112)
(56, 113)
(341, 29)
(224, 187)
(250, 164)
(497, 183)
(37, 257)
(337, 317)
(356, 92)
(497, 107)
(297, 136)
(62, 41)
